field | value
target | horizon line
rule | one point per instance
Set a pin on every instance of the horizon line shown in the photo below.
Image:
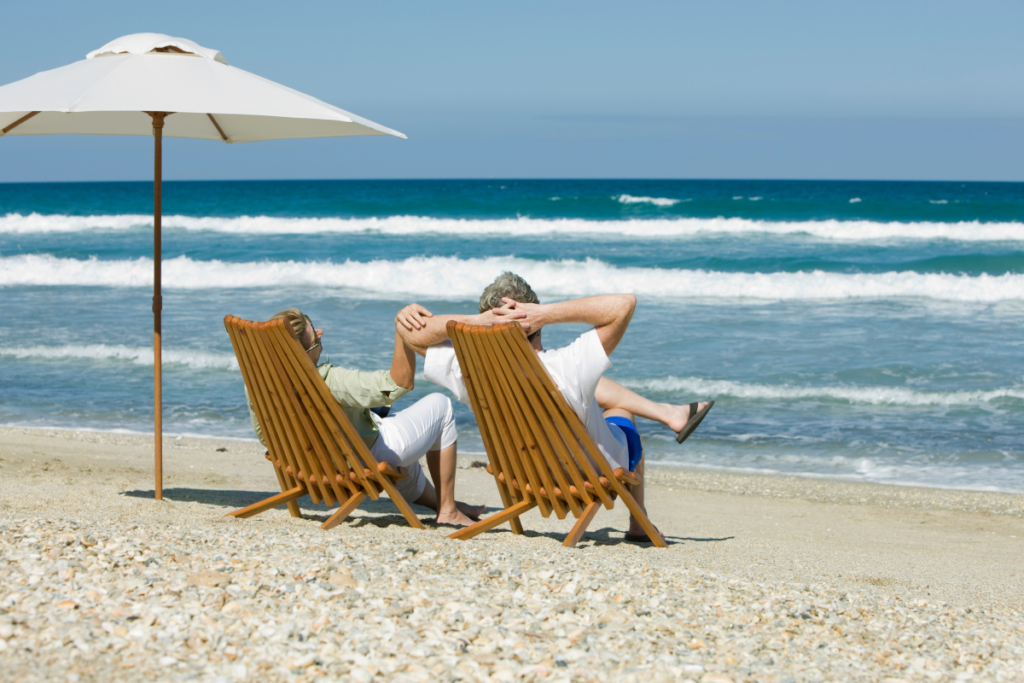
(515, 179)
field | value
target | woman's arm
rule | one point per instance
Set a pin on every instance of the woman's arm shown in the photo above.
(403, 362)
(420, 329)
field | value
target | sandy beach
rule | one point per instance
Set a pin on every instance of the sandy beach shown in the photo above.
(766, 578)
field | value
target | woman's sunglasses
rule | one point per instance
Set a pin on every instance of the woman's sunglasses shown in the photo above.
(314, 334)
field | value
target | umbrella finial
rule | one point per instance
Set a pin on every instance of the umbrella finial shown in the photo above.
(143, 43)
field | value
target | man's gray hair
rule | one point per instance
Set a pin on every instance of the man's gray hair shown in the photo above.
(507, 285)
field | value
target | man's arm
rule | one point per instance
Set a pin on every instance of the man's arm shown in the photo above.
(420, 329)
(610, 315)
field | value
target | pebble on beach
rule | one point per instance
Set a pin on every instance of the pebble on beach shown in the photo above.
(280, 600)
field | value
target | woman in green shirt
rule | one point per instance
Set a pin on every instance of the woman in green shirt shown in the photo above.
(426, 428)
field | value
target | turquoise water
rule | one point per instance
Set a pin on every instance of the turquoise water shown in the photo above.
(863, 330)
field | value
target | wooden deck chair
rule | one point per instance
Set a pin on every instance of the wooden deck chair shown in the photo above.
(310, 441)
(539, 451)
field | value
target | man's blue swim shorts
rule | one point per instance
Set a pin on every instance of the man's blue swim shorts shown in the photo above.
(636, 449)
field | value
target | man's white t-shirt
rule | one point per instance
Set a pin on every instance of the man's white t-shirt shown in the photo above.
(576, 370)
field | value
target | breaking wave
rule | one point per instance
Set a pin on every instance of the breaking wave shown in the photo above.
(861, 395)
(463, 279)
(843, 231)
(199, 360)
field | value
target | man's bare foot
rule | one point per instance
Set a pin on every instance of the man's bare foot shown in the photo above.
(678, 416)
(471, 511)
(635, 530)
(455, 517)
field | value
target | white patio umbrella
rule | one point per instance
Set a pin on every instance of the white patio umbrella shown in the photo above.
(153, 84)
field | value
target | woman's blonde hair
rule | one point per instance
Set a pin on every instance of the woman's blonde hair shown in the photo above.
(294, 320)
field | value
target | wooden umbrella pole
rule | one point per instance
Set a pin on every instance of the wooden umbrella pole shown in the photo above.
(158, 441)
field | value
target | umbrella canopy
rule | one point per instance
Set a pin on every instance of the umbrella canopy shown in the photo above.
(153, 84)
(109, 91)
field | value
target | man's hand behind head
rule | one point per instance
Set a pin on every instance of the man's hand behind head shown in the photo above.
(609, 314)
(529, 316)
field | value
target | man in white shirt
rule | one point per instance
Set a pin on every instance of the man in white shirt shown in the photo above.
(602, 405)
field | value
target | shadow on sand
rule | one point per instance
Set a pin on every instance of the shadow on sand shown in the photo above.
(234, 500)
(224, 498)
(382, 513)
(603, 536)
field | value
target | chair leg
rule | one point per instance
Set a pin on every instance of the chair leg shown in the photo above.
(506, 500)
(293, 507)
(269, 503)
(507, 515)
(581, 525)
(344, 511)
(402, 504)
(645, 522)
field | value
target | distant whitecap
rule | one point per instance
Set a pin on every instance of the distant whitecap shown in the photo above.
(656, 228)
(656, 201)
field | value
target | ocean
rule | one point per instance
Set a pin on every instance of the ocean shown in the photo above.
(867, 331)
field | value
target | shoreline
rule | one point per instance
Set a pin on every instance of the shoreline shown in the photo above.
(765, 578)
(702, 473)
(780, 484)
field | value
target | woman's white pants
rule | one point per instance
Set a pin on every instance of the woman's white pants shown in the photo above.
(406, 436)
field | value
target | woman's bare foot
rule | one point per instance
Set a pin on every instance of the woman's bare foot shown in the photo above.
(455, 517)
(677, 416)
(471, 511)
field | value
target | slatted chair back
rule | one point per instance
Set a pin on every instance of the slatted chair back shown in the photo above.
(310, 441)
(540, 453)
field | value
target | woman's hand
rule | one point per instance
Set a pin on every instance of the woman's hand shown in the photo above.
(413, 317)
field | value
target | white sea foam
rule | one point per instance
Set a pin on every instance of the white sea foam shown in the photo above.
(18, 224)
(861, 395)
(843, 231)
(856, 200)
(44, 426)
(200, 360)
(463, 279)
(848, 468)
(656, 201)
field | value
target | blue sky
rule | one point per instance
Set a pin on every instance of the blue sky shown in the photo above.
(725, 89)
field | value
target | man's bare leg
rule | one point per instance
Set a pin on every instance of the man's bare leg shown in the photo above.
(638, 494)
(442, 465)
(636, 491)
(613, 396)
